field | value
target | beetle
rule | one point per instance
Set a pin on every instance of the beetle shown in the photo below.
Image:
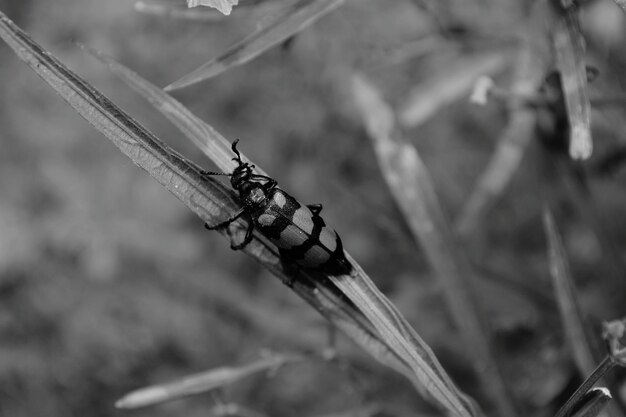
(298, 230)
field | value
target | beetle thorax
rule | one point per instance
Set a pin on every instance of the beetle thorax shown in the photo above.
(253, 195)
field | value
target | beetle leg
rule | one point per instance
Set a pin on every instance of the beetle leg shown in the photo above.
(316, 209)
(227, 222)
(246, 240)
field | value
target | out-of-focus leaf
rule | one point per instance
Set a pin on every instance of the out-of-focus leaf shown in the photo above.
(448, 86)
(571, 314)
(569, 45)
(592, 403)
(511, 146)
(224, 6)
(177, 12)
(202, 382)
(292, 20)
(410, 183)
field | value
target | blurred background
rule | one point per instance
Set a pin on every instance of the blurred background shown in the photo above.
(108, 283)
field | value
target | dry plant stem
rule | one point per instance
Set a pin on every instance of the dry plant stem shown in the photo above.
(593, 403)
(604, 366)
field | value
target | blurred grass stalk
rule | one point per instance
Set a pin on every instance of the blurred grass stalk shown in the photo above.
(574, 323)
(579, 335)
(412, 188)
(290, 20)
(569, 46)
(202, 382)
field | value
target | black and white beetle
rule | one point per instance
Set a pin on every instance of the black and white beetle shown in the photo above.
(297, 230)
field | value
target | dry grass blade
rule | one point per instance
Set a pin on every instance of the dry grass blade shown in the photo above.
(292, 20)
(511, 146)
(574, 401)
(210, 200)
(569, 46)
(592, 403)
(410, 184)
(427, 374)
(571, 314)
(202, 382)
(446, 87)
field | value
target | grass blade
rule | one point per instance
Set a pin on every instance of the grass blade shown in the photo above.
(411, 186)
(202, 382)
(427, 374)
(571, 313)
(592, 403)
(569, 45)
(292, 20)
(446, 87)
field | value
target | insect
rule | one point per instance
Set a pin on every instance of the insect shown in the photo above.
(297, 230)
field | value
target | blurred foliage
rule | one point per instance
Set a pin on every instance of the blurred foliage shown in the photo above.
(107, 283)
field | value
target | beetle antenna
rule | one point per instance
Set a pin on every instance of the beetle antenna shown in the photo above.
(214, 173)
(234, 148)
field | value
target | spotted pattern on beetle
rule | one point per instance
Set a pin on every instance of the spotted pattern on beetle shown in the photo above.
(301, 235)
